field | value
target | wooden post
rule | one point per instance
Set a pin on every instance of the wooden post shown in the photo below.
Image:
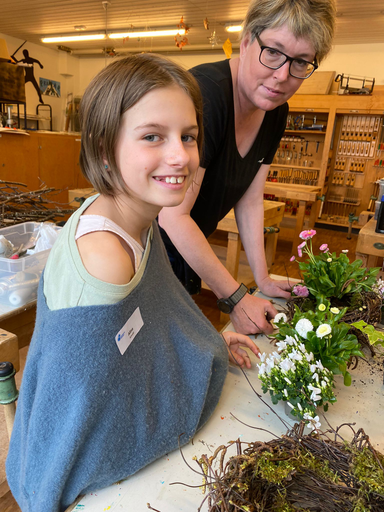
(8, 393)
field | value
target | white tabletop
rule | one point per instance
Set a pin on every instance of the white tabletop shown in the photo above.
(362, 402)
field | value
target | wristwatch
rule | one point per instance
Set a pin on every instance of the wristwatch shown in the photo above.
(227, 305)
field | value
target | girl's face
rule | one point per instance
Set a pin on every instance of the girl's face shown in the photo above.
(266, 88)
(156, 150)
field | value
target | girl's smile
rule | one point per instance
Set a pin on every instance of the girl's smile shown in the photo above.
(156, 150)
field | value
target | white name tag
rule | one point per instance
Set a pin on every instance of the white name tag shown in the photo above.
(127, 334)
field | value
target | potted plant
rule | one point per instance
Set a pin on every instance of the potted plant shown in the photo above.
(324, 334)
(292, 374)
(348, 286)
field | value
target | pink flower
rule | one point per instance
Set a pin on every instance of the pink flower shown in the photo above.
(303, 244)
(292, 258)
(305, 235)
(323, 247)
(299, 252)
(300, 290)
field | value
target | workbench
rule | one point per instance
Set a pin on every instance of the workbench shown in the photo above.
(302, 193)
(20, 322)
(273, 215)
(370, 245)
(237, 414)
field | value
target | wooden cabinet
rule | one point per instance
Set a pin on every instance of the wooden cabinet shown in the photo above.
(352, 184)
(310, 153)
(42, 158)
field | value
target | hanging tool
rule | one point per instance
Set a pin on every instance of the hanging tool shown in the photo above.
(351, 218)
(322, 199)
(371, 200)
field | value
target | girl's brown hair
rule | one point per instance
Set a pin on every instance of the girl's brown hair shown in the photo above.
(109, 95)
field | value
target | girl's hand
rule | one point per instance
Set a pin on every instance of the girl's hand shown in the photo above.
(238, 355)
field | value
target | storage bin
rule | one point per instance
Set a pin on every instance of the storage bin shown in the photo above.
(19, 278)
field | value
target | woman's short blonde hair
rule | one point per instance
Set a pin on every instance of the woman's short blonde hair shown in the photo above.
(110, 94)
(310, 19)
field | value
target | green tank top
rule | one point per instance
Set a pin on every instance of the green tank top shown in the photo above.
(66, 281)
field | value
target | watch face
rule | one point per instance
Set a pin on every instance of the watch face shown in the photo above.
(224, 306)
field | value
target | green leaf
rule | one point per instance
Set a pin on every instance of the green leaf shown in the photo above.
(347, 379)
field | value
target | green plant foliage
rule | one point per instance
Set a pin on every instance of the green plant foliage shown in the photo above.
(328, 276)
(334, 349)
(374, 336)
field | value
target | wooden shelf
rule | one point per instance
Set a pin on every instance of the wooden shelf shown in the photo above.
(341, 224)
(307, 132)
(284, 166)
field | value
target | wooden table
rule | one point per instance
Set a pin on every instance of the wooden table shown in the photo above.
(302, 193)
(370, 245)
(273, 215)
(20, 322)
(362, 402)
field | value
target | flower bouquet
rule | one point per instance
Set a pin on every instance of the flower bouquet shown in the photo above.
(293, 375)
(327, 276)
(324, 334)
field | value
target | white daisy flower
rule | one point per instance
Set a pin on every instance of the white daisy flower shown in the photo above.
(279, 317)
(303, 327)
(323, 330)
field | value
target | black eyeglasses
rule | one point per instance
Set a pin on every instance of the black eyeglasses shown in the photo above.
(275, 59)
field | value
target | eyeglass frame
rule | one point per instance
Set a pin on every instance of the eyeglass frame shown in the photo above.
(287, 58)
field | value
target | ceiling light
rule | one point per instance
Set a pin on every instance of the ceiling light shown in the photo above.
(148, 33)
(68, 39)
(234, 28)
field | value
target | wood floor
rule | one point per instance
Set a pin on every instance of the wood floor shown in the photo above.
(206, 300)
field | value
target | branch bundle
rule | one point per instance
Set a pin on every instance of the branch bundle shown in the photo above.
(296, 472)
(20, 205)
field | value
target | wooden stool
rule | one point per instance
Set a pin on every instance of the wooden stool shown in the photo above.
(273, 215)
(302, 193)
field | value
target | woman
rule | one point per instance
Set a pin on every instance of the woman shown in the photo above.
(245, 110)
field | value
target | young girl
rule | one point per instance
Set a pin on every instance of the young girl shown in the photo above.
(122, 362)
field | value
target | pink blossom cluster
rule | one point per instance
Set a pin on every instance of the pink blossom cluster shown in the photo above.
(300, 290)
(307, 234)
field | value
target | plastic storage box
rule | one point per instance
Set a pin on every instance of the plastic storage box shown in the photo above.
(19, 278)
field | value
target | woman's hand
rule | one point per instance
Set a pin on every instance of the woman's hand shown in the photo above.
(238, 355)
(273, 288)
(252, 315)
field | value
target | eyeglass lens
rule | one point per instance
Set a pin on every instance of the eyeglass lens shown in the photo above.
(274, 59)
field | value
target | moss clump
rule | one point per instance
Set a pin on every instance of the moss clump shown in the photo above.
(366, 469)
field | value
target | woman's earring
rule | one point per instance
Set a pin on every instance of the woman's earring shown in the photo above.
(106, 166)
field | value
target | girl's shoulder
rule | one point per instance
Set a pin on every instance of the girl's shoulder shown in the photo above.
(107, 257)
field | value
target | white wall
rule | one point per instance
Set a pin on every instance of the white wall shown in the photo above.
(74, 74)
(89, 67)
(358, 60)
(55, 64)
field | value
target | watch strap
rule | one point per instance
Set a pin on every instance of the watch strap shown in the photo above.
(238, 294)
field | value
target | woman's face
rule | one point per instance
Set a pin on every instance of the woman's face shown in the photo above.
(266, 88)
